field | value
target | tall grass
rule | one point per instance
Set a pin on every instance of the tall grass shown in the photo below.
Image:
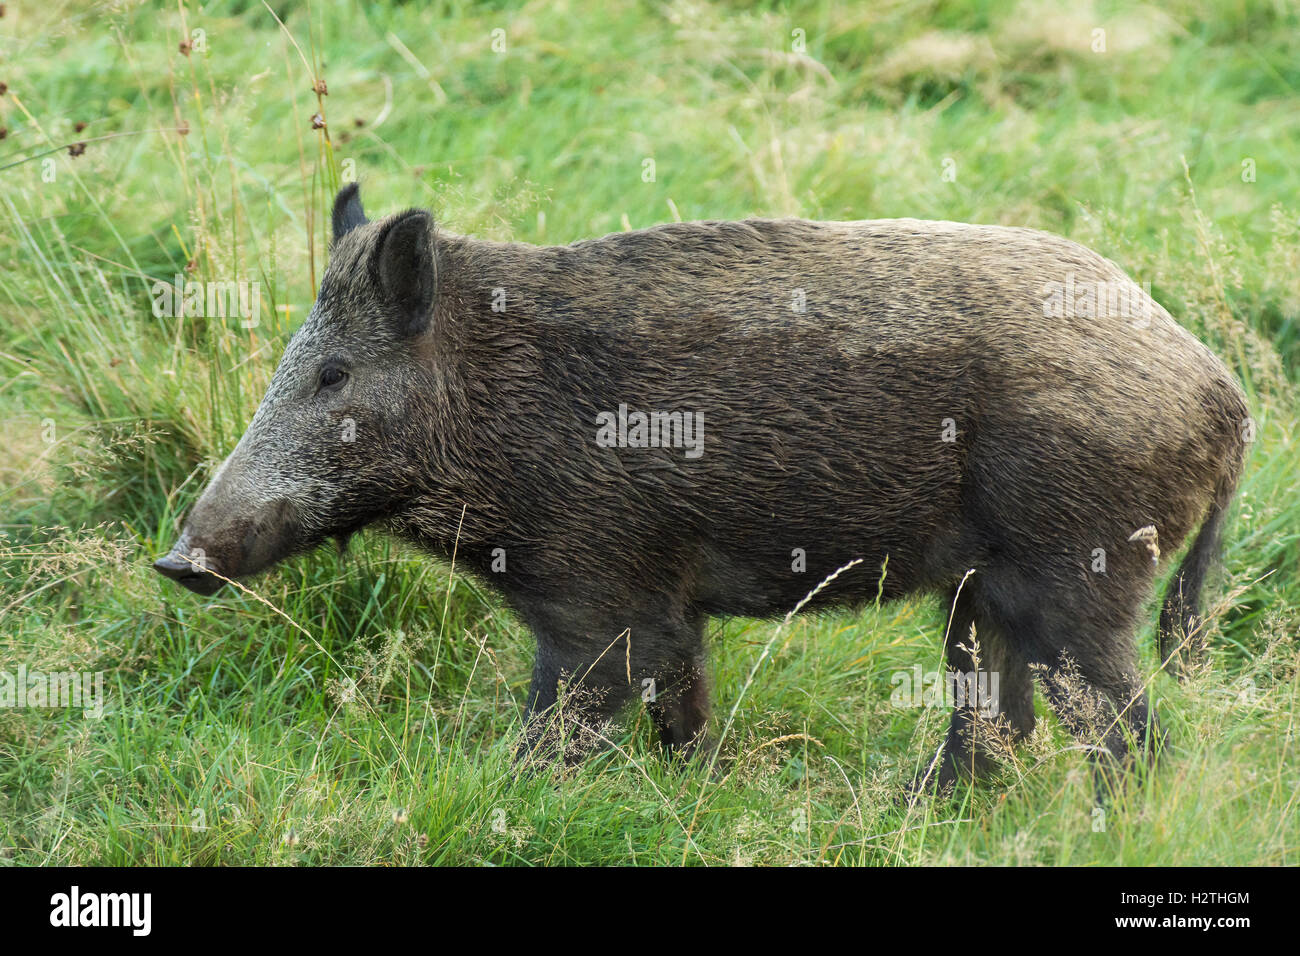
(362, 707)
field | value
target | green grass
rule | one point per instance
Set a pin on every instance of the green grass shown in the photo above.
(362, 708)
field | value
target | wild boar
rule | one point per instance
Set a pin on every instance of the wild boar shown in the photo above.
(627, 435)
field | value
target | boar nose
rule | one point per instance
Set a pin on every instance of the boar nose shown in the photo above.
(184, 572)
(173, 566)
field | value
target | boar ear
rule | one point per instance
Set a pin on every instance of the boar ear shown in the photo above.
(348, 213)
(402, 266)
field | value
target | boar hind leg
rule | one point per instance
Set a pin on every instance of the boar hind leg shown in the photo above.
(995, 695)
(1080, 643)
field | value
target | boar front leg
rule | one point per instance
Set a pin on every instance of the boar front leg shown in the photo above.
(589, 666)
(678, 697)
(579, 685)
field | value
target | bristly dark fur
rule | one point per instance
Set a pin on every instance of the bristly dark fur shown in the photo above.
(880, 390)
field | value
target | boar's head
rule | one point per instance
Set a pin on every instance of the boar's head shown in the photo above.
(342, 434)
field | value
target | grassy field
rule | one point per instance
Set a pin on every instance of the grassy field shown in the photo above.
(362, 708)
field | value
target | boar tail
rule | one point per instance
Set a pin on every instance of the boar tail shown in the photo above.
(1180, 619)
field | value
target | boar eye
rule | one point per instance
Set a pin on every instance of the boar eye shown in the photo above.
(332, 376)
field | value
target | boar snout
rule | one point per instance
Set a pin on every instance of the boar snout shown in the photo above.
(187, 572)
(210, 551)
